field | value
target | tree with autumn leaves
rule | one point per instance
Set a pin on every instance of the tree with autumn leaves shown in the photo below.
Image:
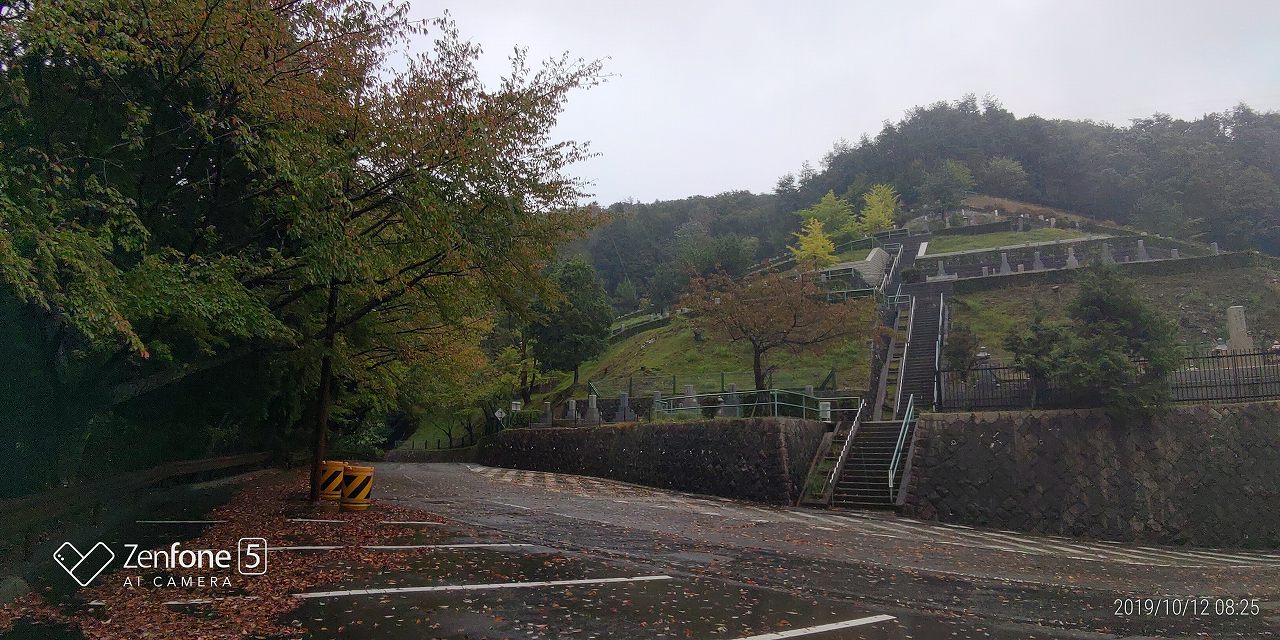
(194, 188)
(772, 311)
(813, 248)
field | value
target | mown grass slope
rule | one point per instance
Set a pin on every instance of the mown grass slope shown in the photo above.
(947, 244)
(1197, 302)
(650, 359)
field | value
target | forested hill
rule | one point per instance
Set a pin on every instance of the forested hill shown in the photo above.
(1214, 178)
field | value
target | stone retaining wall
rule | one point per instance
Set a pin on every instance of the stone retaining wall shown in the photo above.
(1200, 475)
(462, 454)
(761, 459)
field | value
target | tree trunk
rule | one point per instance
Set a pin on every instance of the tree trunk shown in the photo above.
(319, 437)
(757, 367)
(526, 385)
(575, 375)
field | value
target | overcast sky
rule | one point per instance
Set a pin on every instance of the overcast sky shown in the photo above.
(712, 96)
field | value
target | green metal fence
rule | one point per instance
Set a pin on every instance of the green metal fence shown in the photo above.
(820, 378)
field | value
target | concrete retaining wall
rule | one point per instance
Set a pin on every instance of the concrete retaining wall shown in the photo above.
(1198, 475)
(761, 459)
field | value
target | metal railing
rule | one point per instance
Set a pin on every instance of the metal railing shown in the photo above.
(1214, 378)
(937, 347)
(764, 402)
(898, 299)
(906, 349)
(888, 275)
(907, 419)
(644, 384)
(828, 490)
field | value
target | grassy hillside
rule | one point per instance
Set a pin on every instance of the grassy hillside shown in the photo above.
(1018, 207)
(1196, 301)
(947, 244)
(651, 358)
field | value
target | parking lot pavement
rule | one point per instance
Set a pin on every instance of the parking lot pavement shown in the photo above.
(736, 570)
(462, 551)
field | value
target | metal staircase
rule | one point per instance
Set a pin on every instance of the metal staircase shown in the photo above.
(872, 474)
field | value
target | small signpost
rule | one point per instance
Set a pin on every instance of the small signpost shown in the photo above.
(500, 415)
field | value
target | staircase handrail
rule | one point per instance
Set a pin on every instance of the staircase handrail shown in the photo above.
(907, 419)
(906, 350)
(888, 276)
(937, 352)
(844, 453)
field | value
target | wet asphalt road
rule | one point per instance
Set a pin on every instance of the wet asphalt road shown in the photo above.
(631, 562)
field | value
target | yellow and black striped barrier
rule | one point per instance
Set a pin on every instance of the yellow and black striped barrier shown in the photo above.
(357, 483)
(331, 479)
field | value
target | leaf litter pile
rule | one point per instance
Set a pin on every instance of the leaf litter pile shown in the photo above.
(253, 606)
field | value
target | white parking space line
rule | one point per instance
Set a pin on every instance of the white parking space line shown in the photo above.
(316, 520)
(178, 603)
(412, 522)
(405, 547)
(513, 506)
(1216, 555)
(476, 545)
(179, 521)
(477, 587)
(823, 628)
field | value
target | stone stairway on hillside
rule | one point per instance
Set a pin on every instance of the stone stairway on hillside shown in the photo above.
(919, 363)
(864, 480)
(897, 352)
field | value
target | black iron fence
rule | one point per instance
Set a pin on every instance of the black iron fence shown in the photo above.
(1212, 378)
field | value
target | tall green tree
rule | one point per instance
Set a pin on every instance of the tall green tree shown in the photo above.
(832, 211)
(880, 206)
(1003, 176)
(574, 328)
(813, 248)
(946, 185)
(189, 186)
(1115, 352)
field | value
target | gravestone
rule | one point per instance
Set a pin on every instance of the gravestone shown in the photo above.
(1077, 225)
(1107, 258)
(942, 273)
(687, 401)
(1053, 223)
(1142, 251)
(1021, 267)
(1020, 223)
(1004, 263)
(1214, 246)
(624, 413)
(1238, 340)
(1037, 264)
(593, 410)
(732, 406)
(546, 413)
(1173, 253)
(571, 412)
(1072, 262)
(984, 270)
